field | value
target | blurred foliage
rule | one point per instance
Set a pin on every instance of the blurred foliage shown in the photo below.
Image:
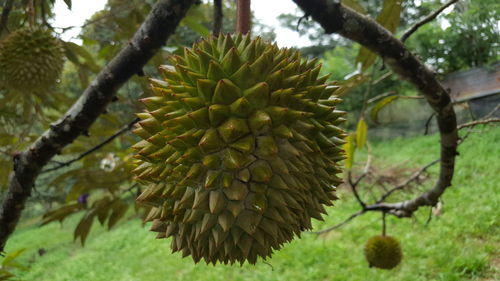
(100, 188)
(8, 263)
(472, 38)
(474, 22)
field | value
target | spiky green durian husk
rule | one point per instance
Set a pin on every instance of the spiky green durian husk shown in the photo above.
(241, 149)
(383, 252)
(31, 60)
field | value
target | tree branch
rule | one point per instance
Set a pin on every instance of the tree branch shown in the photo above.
(379, 206)
(218, 17)
(60, 165)
(353, 187)
(355, 183)
(425, 20)
(414, 177)
(4, 19)
(334, 17)
(350, 218)
(153, 33)
(479, 122)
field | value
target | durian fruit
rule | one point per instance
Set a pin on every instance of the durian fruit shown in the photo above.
(383, 252)
(240, 149)
(31, 60)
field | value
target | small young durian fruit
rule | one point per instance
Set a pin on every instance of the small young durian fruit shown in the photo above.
(31, 60)
(383, 252)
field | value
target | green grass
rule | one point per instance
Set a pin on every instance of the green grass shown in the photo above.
(460, 244)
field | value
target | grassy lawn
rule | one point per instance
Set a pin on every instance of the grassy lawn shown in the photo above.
(462, 243)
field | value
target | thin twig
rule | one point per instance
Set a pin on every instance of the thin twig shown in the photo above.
(492, 112)
(353, 187)
(425, 20)
(381, 96)
(414, 177)
(487, 116)
(428, 123)
(126, 128)
(383, 77)
(478, 122)
(429, 218)
(392, 93)
(350, 218)
(412, 97)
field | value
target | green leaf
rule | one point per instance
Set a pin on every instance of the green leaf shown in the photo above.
(389, 18)
(11, 256)
(61, 213)
(196, 26)
(102, 208)
(119, 208)
(193, 20)
(361, 132)
(17, 265)
(349, 147)
(379, 105)
(81, 186)
(68, 3)
(75, 51)
(83, 228)
(390, 15)
(5, 275)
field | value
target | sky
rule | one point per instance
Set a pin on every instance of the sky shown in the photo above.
(266, 11)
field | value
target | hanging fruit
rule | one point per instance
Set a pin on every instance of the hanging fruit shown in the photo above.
(240, 149)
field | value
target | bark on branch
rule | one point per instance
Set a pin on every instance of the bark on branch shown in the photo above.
(153, 33)
(336, 18)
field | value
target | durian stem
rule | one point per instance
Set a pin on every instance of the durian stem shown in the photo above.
(31, 13)
(383, 224)
(218, 17)
(243, 16)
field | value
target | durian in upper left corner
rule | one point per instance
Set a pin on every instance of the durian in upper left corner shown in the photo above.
(31, 60)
